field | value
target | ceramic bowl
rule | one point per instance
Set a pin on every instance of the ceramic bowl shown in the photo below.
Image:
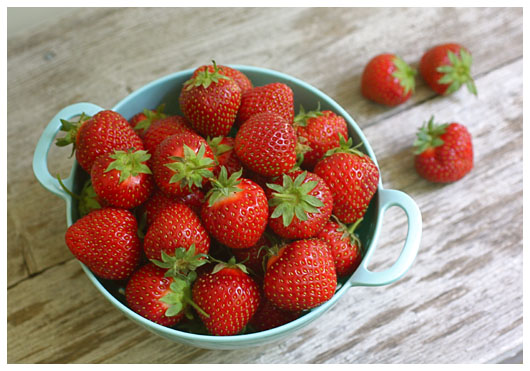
(166, 90)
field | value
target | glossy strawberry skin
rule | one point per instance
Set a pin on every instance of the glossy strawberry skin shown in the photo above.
(163, 128)
(239, 77)
(449, 162)
(353, 181)
(230, 297)
(268, 316)
(105, 132)
(274, 97)
(175, 226)
(143, 292)
(346, 255)
(106, 241)
(266, 144)
(380, 85)
(302, 275)
(128, 194)
(227, 159)
(239, 220)
(321, 134)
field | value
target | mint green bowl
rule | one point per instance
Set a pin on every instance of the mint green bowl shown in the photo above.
(166, 90)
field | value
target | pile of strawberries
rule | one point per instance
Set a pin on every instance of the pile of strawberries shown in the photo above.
(237, 215)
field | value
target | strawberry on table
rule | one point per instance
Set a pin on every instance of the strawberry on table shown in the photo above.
(228, 296)
(106, 241)
(302, 275)
(319, 130)
(123, 179)
(141, 121)
(94, 136)
(443, 152)
(445, 68)
(210, 101)
(275, 97)
(387, 79)
(235, 212)
(266, 144)
(352, 177)
(300, 203)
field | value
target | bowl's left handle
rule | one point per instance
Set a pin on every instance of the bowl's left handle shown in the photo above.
(40, 157)
(389, 198)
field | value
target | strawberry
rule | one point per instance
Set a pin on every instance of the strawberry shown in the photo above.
(344, 244)
(445, 68)
(223, 149)
(443, 152)
(106, 241)
(141, 121)
(352, 177)
(387, 79)
(236, 210)
(239, 77)
(300, 203)
(210, 101)
(182, 164)
(319, 130)
(159, 201)
(123, 179)
(268, 316)
(160, 298)
(94, 136)
(275, 97)
(176, 226)
(254, 257)
(87, 199)
(266, 144)
(163, 128)
(302, 275)
(228, 296)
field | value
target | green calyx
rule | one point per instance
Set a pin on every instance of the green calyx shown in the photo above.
(182, 264)
(301, 118)
(428, 136)
(349, 231)
(293, 198)
(179, 299)
(205, 78)
(345, 146)
(151, 116)
(223, 186)
(71, 128)
(87, 200)
(231, 263)
(191, 169)
(405, 74)
(458, 72)
(129, 163)
(217, 147)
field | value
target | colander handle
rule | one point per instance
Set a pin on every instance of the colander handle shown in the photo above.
(389, 198)
(40, 157)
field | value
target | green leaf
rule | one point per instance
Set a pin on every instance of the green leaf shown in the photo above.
(405, 74)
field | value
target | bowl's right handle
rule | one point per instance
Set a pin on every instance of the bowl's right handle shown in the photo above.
(389, 198)
(40, 157)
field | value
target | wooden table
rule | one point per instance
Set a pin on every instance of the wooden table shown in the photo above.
(462, 300)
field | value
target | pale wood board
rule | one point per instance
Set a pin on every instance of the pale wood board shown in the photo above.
(461, 302)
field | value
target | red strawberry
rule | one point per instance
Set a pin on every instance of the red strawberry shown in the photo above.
(445, 68)
(94, 136)
(254, 256)
(275, 97)
(210, 102)
(223, 149)
(229, 298)
(157, 297)
(163, 128)
(266, 144)
(239, 77)
(300, 203)
(302, 275)
(236, 210)
(444, 153)
(319, 130)
(106, 241)
(123, 179)
(268, 316)
(159, 201)
(87, 199)
(387, 80)
(344, 244)
(182, 164)
(352, 177)
(143, 120)
(176, 226)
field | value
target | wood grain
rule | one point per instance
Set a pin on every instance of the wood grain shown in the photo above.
(461, 302)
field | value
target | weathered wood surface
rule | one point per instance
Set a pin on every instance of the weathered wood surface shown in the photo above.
(462, 299)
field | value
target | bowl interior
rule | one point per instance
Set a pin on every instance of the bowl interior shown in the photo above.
(166, 91)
